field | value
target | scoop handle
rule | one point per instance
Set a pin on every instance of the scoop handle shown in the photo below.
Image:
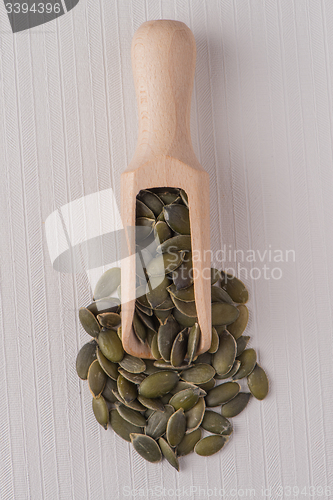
(163, 61)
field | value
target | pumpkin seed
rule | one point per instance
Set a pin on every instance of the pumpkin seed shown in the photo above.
(168, 453)
(205, 358)
(158, 384)
(132, 364)
(151, 200)
(223, 359)
(109, 387)
(237, 328)
(161, 315)
(110, 345)
(165, 365)
(188, 443)
(146, 447)
(96, 379)
(207, 386)
(121, 426)
(110, 368)
(215, 423)
(167, 305)
(174, 244)
(135, 378)
(209, 445)
(107, 283)
(248, 360)
(199, 374)
(152, 403)
(126, 389)
(143, 211)
(222, 393)
(220, 295)
(86, 355)
(241, 342)
(179, 347)
(183, 276)
(215, 341)
(131, 416)
(182, 319)
(110, 304)
(154, 347)
(235, 288)
(164, 263)
(89, 322)
(187, 308)
(166, 335)
(193, 341)
(178, 218)
(176, 427)
(145, 310)
(230, 373)
(109, 320)
(162, 232)
(223, 313)
(156, 291)
(150, 367)
(139, 328)
(157, 422)
(195, 415)
(235, 405)
(258, 382)
(184, 294)
(185, 399)
(101, 411)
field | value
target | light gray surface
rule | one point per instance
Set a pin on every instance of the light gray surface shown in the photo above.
(262, 127)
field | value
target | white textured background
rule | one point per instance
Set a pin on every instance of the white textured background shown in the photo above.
(262, 127)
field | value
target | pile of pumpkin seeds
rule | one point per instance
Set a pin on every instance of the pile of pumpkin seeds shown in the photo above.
(163, 405)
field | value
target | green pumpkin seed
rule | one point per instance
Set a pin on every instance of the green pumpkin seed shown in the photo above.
(131, 416)
(148, 321)
(156, 291)
(126, 389)
(157, 422)
(195, 415)
(193, 341)
(134, 404)
(150, 367)
(89, 322)
(86, 355)
(181, 385)
(162, 232)
(132, 364)
(224, 358)
(216, 423)
(214, 275)
(161, 315)
(167, 305)
(179, 348)
(199, 374)
(110, 368)
(237, 327)
(154, 347)
(235, 405)
(96, 379)
(166, 335)
(182, 319)
(164, 263)
(208, 385)
(187, 308)
(175, 244)
(111, 346)
(178, 218)
(248, 360)
(122, 427)
(143, 309)
(210, 445)
(101, 411)
(184, 197)
(141, 299)
(110, 386)
(139, 328)
(151, 200)
(183, 276)
(143, 211)
(258, 382)
(146, 447)
(143, 228)
(109, 320)
(158, 384)
(184, 294)
(215, 341)
(176, 427)
(222, 393)
(205, 358)
(223, 313)
(107, 283)
(110, 304)
(230, 373)
(167, 195)
(166, 398)
(168, 453)
(235, 288)
(135, 378)
(220, 295)
(160, 218)
(151, 403)
(185, 399)
(165, 365)
(188, 443)
(241, 342)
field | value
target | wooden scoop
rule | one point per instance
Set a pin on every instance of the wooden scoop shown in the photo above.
(163, 61)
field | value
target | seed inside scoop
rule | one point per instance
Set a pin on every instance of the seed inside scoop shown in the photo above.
(166, 406)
